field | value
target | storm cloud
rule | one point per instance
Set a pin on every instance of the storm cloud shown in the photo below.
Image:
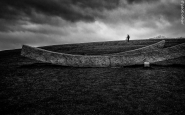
(46, 22)
(67, 9)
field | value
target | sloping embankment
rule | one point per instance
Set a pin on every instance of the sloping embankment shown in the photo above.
(149, 48)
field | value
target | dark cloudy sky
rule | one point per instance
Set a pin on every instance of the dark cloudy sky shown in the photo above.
(48, 22)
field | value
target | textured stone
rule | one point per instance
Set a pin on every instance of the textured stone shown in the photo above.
(103, 61)
(158, 45)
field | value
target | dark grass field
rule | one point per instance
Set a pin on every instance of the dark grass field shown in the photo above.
(31, 87)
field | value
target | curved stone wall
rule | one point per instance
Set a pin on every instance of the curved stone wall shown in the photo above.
(103, 61)
(158, 45)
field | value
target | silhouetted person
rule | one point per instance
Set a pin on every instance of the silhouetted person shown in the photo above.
(128, 37)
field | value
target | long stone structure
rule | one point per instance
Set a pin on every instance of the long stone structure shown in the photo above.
(103, 61)
(148, 48)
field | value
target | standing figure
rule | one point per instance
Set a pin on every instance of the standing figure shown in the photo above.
(128, 37)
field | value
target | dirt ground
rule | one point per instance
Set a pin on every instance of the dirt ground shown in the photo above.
(31, 87)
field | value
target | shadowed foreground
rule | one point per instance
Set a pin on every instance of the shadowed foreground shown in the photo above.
(31, 87)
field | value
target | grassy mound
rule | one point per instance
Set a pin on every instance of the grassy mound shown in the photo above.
(31, 87)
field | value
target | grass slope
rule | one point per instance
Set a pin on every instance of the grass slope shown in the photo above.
(32, 87)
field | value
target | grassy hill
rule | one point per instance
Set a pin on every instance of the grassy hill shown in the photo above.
(31, 87)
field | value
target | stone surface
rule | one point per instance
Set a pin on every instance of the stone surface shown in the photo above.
(103, 61)
(158, 45)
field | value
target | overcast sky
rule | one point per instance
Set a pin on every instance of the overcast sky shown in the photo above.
(48, 22)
